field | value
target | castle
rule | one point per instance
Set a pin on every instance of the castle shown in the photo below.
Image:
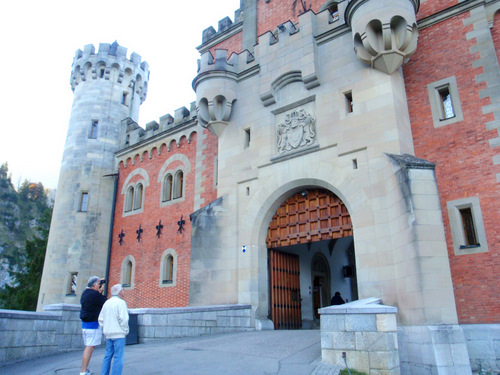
(347, 146)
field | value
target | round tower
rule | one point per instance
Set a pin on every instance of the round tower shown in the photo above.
(107, 88)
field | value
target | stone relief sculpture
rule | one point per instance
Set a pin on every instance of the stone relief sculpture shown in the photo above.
(297, 131)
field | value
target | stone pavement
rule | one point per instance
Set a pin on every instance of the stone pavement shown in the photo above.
(250, 353)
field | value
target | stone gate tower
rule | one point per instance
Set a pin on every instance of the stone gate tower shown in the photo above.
(107, 88)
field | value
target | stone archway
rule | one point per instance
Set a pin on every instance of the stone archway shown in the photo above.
(311, 216)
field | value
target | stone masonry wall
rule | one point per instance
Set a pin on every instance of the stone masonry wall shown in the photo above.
(362, 334)
(25, 335)
(159, 324)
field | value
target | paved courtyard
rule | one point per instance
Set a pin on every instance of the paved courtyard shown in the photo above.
(252, 353)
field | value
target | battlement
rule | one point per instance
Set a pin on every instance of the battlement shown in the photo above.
(224, 25)
(110, 63)
(135, 134)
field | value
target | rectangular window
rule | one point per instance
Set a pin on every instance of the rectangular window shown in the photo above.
(73, 278)
(247, 138)
(101, 72)
(124, 98)
(446, 103)
(84, 201)
(468, 227)
(93, 129)
(348, 102)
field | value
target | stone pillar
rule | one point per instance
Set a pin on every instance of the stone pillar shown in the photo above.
(363, 332)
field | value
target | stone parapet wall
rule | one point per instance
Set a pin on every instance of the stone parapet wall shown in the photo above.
(160, 324)
(483, 345)
(25, 335)
(362, 334)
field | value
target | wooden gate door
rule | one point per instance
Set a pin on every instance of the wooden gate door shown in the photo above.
(285, 290)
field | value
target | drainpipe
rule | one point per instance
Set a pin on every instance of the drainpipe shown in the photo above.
(112, 221)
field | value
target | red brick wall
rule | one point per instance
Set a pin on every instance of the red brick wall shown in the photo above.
(463, 157)
(147, 253)
(429, 7)
(274, 13)
(232, 44)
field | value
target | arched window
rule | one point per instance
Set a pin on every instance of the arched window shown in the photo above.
(179, 181)
(138, 197)
(168, 270)
(167, 188)
(129, 199)
(128, 272)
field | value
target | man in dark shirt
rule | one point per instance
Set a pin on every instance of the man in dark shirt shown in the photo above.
(91, 301)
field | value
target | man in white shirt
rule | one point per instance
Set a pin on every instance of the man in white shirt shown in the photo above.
(114, 322)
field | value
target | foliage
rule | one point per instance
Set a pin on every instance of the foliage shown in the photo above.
(24, 224)
(24, 295)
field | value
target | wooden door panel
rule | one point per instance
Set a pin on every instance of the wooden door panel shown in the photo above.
(320, 215)
(285, 290)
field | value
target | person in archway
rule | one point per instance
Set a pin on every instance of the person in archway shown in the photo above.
(337, 299)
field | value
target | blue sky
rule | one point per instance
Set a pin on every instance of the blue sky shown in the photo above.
(39, 40)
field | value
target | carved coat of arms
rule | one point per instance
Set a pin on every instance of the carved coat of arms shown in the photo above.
(297, 131)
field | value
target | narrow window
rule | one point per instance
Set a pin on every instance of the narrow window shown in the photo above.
(73, 278)
(248, 191)
(447, 110)
(354, 163)
(129, 199)
(179, 180)
(84, 200)
(138, 197)
(101, 72)
(468, 227)
(167, 188)
(168, 270)
(127, 140)
(348, 102)
(247, 138)
(334, 11)
(124, 98)
(127, 274)
(93, 129)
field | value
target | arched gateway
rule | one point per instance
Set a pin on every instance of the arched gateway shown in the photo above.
(311, 255)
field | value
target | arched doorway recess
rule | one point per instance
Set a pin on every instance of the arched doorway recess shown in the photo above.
(307, 220)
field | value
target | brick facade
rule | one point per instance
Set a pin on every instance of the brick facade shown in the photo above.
(461, 151)
(145, 290)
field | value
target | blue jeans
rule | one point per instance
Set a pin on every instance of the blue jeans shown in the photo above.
(114, 348)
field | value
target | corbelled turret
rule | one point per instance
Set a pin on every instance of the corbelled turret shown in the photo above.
(385, 32)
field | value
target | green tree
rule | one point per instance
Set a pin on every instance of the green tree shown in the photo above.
(22, 292)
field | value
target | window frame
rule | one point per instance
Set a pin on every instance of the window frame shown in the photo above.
(129, 207)
(129, 259)
(457, 227)
(163, 264)
(69, 287)
(83, 205)
(94, 126)
(437, 105)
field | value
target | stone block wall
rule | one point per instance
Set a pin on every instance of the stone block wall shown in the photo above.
(433, 349)
(364, 333)
(160, 324)
(25, 334)
(483, 345)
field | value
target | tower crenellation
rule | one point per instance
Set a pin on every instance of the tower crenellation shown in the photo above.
(110, 63)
